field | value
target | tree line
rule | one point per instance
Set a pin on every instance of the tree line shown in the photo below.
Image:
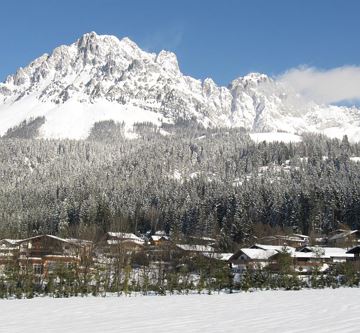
(182, 178)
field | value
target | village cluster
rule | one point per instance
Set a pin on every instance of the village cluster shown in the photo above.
(45, 252)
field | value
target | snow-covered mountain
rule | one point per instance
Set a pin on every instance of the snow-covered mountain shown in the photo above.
(101, 78)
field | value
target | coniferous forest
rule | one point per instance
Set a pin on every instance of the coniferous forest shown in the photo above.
(182, 178)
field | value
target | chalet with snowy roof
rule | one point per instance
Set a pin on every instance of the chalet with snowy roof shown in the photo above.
(161, 248)
(158, 239)
(257, 256)
(304, 262)
(328, 254)
(252, 258)
(44, 252)
(124, 236)
(121, 243)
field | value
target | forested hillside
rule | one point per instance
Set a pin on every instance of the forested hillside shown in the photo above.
(183, 179)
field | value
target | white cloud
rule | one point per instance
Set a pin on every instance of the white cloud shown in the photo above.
(337, 85)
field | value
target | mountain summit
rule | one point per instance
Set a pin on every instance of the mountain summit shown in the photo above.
(100, 77)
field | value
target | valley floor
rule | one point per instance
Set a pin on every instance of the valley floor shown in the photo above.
(281, 311)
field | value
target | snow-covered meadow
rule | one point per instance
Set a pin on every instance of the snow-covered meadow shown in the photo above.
(278, 311)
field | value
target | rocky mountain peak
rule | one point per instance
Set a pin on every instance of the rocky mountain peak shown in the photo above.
(101, 77)
(168, 61)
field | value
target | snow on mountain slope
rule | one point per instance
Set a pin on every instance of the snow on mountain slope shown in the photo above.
(275, 136)
(101, 78)
(73, 119)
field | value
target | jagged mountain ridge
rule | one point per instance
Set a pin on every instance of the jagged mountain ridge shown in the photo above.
(100, 77)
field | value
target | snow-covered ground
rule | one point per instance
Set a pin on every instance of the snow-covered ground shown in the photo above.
(275, 136)
(268, 311)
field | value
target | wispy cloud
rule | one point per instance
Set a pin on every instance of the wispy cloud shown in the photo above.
(333, 86)
(167, 39)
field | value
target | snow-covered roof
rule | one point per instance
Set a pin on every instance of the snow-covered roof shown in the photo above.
(278, 248)
(72, 241)
(49, 236)
(60, 256)
(79, 241)
(125, 241)
(286, 238)
(258, 254)
(9, 241)
(344, 234)
(219, 256)
(122, 235)
(292, 238)
(309, 255)
(157, 238)
(34, 258)
(125, 235)
(327, 252)
(268, 238)
(195, 248)
(209, 239)
(160, 233)
(301, 236)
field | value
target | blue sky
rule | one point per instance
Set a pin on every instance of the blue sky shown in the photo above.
(219, 39)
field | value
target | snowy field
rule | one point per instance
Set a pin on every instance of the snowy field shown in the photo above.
(268, 311)
(275, 136)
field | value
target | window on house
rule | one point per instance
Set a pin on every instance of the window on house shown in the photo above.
(51, 266)
(37, 269)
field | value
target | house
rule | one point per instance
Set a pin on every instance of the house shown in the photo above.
(159, 239)
(295, 240)
(161, 248)
(329, 254)
(124, 237)
(355, 251)
(344, 238)
(302, 238)
(302, 262)
(191, 250)
(252, 258)
(258, 256)
(45, 252)
(308, 261)
(122, 243)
